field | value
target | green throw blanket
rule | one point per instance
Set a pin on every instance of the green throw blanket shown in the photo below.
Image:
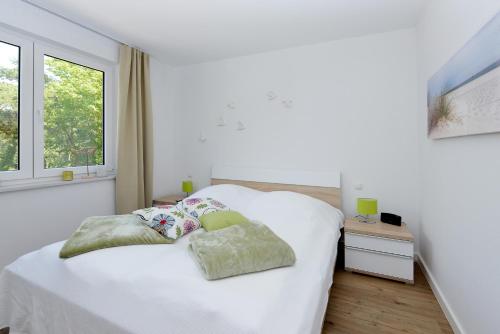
(110, 231)
(240, 249)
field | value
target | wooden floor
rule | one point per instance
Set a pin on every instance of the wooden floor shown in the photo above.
(364, 304)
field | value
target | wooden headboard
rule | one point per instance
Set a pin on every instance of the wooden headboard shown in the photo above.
(321, 185)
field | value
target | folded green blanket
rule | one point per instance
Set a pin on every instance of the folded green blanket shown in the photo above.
(240, 249)
(110, 231)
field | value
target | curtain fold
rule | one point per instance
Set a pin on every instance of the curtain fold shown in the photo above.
(134, 179)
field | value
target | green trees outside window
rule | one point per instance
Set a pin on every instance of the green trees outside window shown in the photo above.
(73, 114)
(9, 107)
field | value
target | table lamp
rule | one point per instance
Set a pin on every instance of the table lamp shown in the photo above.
(187, 187)
(366, 207)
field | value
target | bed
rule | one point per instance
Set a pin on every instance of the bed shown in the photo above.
(159, 288)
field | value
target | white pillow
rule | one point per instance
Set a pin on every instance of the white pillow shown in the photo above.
(234, 196)
(198, 206)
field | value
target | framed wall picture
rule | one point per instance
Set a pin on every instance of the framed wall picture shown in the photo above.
(463, 97)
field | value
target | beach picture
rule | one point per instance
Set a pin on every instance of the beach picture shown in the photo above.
(463, 97)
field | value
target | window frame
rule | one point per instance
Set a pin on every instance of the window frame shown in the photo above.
(40, 50)
(25, 114)
(31, 99)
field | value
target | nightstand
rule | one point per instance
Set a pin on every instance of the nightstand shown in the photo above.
(379, 249)
(169, 199)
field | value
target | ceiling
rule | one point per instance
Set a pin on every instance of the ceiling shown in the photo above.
(184, 32)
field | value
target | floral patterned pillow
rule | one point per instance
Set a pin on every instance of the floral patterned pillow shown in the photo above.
(197, 207)
(168, 220)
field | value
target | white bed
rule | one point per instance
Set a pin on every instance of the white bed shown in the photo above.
(159, 288)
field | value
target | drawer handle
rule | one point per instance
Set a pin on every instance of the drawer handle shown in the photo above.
(377, 237)
(378, 252)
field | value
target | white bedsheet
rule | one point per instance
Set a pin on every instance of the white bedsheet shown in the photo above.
(159, 289)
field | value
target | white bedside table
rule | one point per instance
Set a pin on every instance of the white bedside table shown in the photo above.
(379, 249)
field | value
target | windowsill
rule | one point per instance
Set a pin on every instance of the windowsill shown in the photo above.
(53, 182)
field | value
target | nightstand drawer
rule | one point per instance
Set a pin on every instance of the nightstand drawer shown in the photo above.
(382, 264)
(393, 246)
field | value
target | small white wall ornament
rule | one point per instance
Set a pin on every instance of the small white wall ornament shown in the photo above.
(287, 104)
(221, 121)
(240, 126)
(202, 138)
(271, 95)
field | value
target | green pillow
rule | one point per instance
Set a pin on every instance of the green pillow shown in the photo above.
(110, 231)
(221, 219)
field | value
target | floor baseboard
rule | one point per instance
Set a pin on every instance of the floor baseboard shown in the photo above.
(445, 306)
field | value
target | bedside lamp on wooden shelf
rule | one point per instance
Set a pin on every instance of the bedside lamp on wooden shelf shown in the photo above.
(365, 208)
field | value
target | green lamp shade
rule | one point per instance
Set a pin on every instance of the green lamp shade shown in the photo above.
(187, 186)
(367, 206)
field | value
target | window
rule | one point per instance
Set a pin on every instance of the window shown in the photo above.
(9, 107)
(55, 110)
(16, 107)
(73, 114)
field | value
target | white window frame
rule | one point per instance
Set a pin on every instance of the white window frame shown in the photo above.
(31, 127)
(42, 49)
(25, 114)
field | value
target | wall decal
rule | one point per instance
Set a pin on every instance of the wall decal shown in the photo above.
(221, 121)
(241, 126)
(463, 97)
(271, 95)
(287, 103)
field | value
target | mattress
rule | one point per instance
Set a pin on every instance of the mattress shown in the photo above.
(155, 289)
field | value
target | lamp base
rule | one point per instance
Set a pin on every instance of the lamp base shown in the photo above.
(365, 219)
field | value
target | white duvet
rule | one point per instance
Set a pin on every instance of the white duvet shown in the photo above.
(155, 289)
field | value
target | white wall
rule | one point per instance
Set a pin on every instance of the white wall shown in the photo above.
(26, 18)
(33, 218)
(460, 229)
(163, 81)
(354, 111)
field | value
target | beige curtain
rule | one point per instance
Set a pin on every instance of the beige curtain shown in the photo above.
(134, 179)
